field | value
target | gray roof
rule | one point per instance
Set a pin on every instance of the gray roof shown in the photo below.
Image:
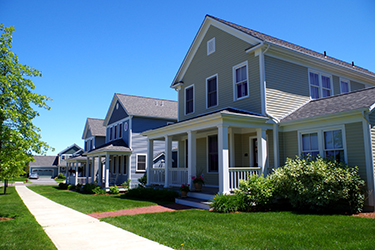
(356, 100)
(151, 107)
(43, 161)
(117, 145)
(96, 126)
(276, 41)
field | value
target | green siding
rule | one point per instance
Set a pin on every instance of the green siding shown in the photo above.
(230, 51)
(210, 178)
(372, 122)
(336, 85)
(181, 154)
(289, 146)
(355, 147)
(287, 86)
(356, 86)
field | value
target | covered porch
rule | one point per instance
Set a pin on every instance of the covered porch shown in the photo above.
(75, 170)
(224, 147)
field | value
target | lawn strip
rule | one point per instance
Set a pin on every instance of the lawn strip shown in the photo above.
(23, 232)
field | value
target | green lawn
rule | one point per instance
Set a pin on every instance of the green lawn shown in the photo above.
(23, 232)
(197, 229)
(88, 203)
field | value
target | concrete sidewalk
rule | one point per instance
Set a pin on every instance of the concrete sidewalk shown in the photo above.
(70, 229)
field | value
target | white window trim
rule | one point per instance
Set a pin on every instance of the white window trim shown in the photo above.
(191, 86)
(207, 154)
(136, 163)
(320, 132)
(209, 52)
(245, 63)
(217, 91)
(320, 74)
(344, 80)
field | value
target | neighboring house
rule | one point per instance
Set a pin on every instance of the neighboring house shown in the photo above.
(247, 101)
(73, 150)
(123, 155)
(44, 165)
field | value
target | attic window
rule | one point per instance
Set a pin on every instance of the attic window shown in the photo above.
(211, 46)
(116, 105)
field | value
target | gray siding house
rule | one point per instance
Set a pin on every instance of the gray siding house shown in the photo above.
(44, 165)
(247, 101)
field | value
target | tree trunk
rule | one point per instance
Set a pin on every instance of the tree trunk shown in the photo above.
(5, 186)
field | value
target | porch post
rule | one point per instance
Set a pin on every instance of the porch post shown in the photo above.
(67, 173)
(100, 171)
(150, 157)
(93, 170)
(223, 159)
(276, 145)
(128, 166)
(168, 159)
(192, 159)
(232, 162)
(87, 169)
(76, 177)
(106, 170)
(262, 150)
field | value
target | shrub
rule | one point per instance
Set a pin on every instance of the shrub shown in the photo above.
(89, 187)
(224, 203)
(152, 194)
(71, 187)
(126, 184)
(98, 190)
(78, 187)
(61, 176)
(63, 186)
(143, 181)
(114, 190)
(319, 185)
(257, 190)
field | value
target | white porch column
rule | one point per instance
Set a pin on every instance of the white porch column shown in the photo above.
(67, 173)
(100, 171)
(93, 170)
(76, 177)
(106, 170)
(276, 145)
(223, 159)
(192, 155)
(168, 159)
(232, 162)
(150, 159)
(129, 167)
(87, 169)
(262, 150)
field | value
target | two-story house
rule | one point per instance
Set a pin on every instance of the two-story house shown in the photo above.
(247, 101)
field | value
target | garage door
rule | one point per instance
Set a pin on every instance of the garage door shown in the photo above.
(44, 172)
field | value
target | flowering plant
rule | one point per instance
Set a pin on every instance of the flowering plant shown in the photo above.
(198, 179)
(185, 187)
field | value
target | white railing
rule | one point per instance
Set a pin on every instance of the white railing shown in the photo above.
(240, 173)
(156, 176)
(178, 176)
(80, 180)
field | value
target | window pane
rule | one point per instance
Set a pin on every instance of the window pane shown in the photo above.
(326, 93)
(241, 89)
(314, 79)
(337, 137)
(314, 141)
(326, 82)
(306, 142)
(344, 87)
(241, 74)
(314, 92)
(328, 140)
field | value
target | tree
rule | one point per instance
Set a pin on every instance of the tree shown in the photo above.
(19, 138)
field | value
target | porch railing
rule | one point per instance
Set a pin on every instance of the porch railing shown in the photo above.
(80, 180)
(157, 176)
(241, 173)
(177, 176)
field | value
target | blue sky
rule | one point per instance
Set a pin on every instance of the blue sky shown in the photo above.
(89, 50)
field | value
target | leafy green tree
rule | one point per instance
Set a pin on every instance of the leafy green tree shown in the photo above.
(19, 138)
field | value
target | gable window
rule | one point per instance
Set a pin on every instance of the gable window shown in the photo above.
(115, 130)
(141, 163)
(211, 46)
(211, 89)
(344, 86)
(310, 145)
(320, 85)
(189, 100)
(333, 146)
(241, 87)
(213, 156)
(120, 130)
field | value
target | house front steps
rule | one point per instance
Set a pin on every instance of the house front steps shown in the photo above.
(197, 200)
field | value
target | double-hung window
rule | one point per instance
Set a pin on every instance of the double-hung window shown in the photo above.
(189, 100)
(344, 86)
(141, 163)
(320, 85)
(213, 156)
(211, 89)
(333, 145)
(310, 145)
(240, 81)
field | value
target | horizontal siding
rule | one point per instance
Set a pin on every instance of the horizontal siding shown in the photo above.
(356, 86)
(289, 146)
(287, 86)
(202, 164)
(355, 147)
(230, 51)
(117, 113)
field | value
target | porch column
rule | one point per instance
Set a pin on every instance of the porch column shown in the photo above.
(192, 152)
(87, 169)
(150, 157)
(262, 150)
(93, 170)
(168, 159)
(100, 171)
(67, 173)
(106, 170)
(76, 177)
(232, 162)
(223, 159)
(129, 167)
(276, 145)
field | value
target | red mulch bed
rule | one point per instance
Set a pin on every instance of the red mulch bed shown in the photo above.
(365, 215)
(5, 218)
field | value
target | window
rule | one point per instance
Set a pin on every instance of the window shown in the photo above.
(141, 163)
(110, 133)
(211, 46)
(189, 100)
(333, 146)
(211, 89)
(120, 130)
(344, 86)
(213, 157)
(115, 130)
(310, 145)
(241, 88)
(320, 85)
(123, 162)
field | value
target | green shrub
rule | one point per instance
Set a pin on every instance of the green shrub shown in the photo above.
(126, 184)
(319, 185)
(152, 194)
(78, 187)
(143, 181)
(88, 188)
(63, 185)
(225, 203)
(98, 190)
(61, 176)
(114, 190)
(71, 187)
(257, 190)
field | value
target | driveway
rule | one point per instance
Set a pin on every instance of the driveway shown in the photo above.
(43, 181)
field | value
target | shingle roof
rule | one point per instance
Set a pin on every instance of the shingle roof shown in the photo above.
(145, 106)
(96, 126)
(274, 40)
(117, 145)
(356, 100)
(43, 161)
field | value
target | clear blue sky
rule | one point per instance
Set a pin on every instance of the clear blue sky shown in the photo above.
(89, 50)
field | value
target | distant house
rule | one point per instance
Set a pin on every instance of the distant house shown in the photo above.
(44, 165)
(72, 150)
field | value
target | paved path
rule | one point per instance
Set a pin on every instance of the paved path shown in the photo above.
(70, 229)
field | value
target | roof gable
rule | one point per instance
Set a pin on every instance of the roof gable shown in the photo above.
(70, 150)
(43, 161)
(93, 127)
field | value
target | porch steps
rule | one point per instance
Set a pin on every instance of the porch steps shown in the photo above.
(196, 199)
